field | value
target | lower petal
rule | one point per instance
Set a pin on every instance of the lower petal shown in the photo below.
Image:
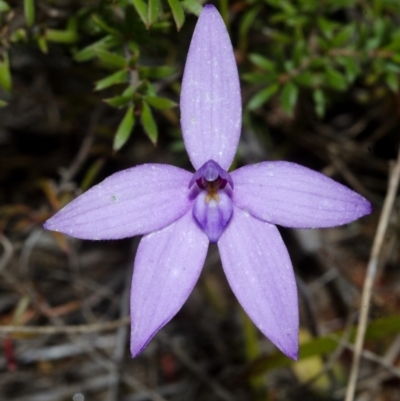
(167, 265)
(213, 215)
(260, 273)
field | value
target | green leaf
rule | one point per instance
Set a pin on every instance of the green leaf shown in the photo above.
(319, 102)
(141, 8)
(129, 91)
(112, 59)
(5, 74)
(104, 26)
(336, 80)
(122, 100)
(327, 27)
(392, 67)
(379, 29)
(4, 7)
(124, 129)
(392, 81)
(89, 52)
(378, 329)
(258, 78)
(262, 96)
(352, 69)
(148, 123)
(305, 78)
(344, 35)
(118, 77)
(177, 12)
(153, 11)
(118, 101)
(289, 95)
(156, 72)
(3, 103)
(299, 52)
(29, 11)
(160, 103)
(246, 23)
(193, 6)
(59, 36)
(372, 43)
(262, 62)
(42, 43)
(289, 66)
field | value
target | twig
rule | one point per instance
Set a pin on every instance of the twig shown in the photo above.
(8, 251)
(334, 357)
(74, 329)
(68, 174)
(375, 383)
(370, 276)
(120, 340)
(219, 391)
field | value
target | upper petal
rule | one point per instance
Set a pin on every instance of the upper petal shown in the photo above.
(294, 196)
(167, 265)
(131, 202)
(259, 271)
(211, 108)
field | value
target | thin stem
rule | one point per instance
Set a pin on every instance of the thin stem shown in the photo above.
(370, 276)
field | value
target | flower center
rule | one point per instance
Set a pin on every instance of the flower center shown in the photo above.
(211, 177)
(212, 191)
(212, 208)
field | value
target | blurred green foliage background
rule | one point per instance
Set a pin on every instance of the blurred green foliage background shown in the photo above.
(291, 50)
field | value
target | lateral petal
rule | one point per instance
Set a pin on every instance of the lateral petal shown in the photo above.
(211, 107)
(167, 265)
(291, 195)
(131, 202)
(259, 271)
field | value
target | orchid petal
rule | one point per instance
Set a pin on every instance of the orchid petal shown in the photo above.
(210, 98)
(131, 202)
(167, 265)
(211, 214)
(294, 196)
(259, 271)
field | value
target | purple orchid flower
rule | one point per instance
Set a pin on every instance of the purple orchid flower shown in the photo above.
(179, 213)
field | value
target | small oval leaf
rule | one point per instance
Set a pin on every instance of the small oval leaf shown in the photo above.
(29, 10)
(262, 96)
(148, 123)
(141, 9)
(319, 102)
(112, 59)
(5, 74)
(289, 95)
(124, 129)
(177, 12)
(4, 6)
(193, 6)
(160, 103)
(118, 77)
(153, 11)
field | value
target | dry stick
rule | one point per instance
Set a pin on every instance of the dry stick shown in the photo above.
(369, 279)
(85, 148)
(8, 250)
(74, 329)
